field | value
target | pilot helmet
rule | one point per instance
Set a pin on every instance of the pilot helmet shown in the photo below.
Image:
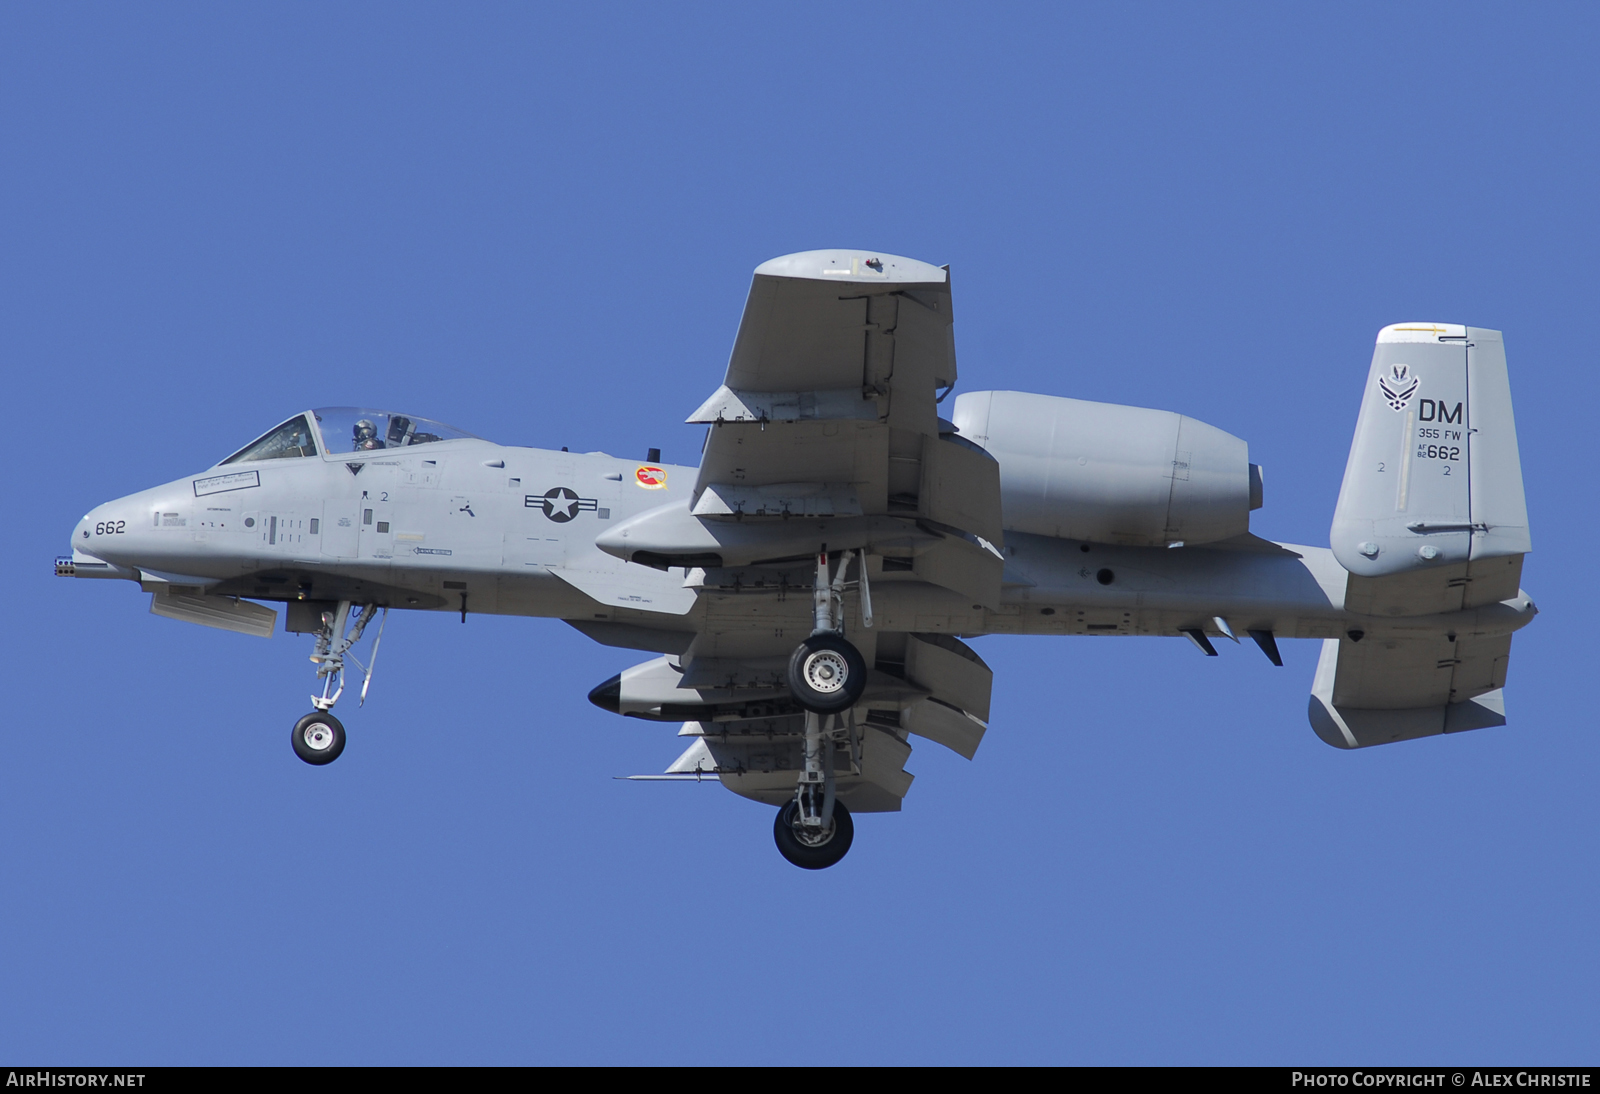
(365, 430)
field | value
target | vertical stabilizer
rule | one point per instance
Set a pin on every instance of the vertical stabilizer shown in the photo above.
(1431, 516)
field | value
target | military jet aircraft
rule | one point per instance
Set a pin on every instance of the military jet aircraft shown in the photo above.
(806, 590)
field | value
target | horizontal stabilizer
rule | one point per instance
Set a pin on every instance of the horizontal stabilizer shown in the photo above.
(1375, 692)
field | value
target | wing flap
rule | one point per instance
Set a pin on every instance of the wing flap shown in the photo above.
(943, 724)
(950, 672)
(961, 487)
(963, 567)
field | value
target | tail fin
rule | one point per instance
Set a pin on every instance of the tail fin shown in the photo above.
(1431, 516)
(1431, 519)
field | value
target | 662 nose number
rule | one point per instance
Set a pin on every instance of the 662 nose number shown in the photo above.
(110, 527)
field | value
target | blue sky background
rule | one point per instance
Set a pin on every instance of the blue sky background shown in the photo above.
(539, 224)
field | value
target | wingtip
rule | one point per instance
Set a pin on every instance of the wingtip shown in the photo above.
(853, 266)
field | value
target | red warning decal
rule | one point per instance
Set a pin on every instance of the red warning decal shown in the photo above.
(651, 478)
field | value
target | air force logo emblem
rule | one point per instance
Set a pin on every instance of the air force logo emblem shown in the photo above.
(1398, 386)
(561, 504)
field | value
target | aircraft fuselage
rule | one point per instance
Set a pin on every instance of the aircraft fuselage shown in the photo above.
(493, 528)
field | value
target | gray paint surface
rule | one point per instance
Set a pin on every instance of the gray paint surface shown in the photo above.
(1028, 514)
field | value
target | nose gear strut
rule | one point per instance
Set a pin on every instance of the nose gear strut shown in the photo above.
(318, 738)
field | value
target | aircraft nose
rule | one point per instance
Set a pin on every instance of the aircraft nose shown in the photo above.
(97, 533)
(118, 531)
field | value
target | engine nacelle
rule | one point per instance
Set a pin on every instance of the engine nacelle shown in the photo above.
(1111, 474)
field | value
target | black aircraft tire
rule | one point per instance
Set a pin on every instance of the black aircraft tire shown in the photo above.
(827, 674)
(813, 858)
(318, 738)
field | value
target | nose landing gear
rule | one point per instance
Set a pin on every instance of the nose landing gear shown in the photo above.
(319, 737)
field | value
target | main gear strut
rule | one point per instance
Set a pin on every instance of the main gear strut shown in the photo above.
(827, 675)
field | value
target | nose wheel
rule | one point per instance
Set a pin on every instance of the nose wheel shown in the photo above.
(318, 738)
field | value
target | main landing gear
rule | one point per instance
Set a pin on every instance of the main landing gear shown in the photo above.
(813, 848)
(318, 738)
(827, 676)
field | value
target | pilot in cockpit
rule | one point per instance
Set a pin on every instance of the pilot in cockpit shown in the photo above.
(366, 436)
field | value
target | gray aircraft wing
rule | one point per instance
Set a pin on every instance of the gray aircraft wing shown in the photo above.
(826, 423)
(829, 409)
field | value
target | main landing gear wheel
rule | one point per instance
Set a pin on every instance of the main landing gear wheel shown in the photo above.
(809, 848)
(827, 674)
(318, 738)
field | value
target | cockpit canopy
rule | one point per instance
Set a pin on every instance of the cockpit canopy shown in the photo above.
(332, 430)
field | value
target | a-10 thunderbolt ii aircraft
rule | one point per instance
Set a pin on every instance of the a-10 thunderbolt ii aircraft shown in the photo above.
(806, 590)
